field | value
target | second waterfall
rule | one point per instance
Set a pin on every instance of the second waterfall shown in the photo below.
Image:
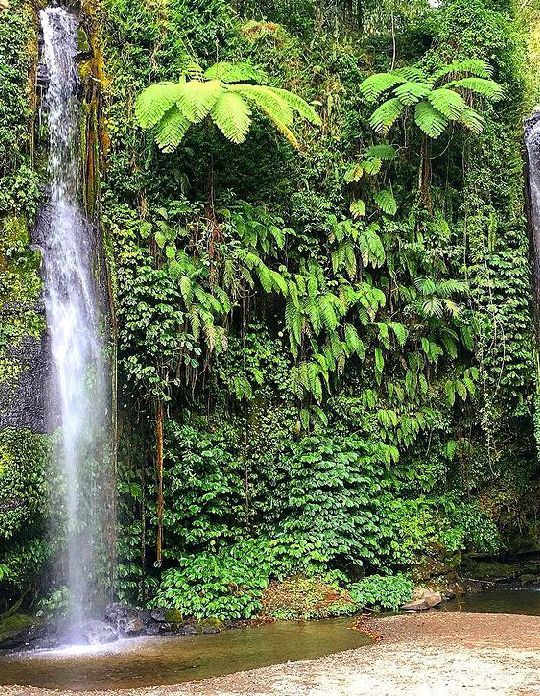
(79, 394)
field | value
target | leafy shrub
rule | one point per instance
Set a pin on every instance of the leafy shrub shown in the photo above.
(226, 585)
(306, 598)
(382, 591)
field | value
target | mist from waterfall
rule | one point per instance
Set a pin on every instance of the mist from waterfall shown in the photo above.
(79, 391)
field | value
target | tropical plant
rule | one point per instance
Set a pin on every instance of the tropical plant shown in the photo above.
(438, 99)
(226, 93)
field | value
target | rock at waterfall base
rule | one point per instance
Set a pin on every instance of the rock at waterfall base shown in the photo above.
(423, 599)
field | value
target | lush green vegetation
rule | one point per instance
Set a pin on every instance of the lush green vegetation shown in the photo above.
(315, 224)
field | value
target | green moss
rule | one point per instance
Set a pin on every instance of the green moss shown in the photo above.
(15, 624)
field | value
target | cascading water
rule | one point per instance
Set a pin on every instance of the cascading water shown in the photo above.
(72, 302)
(532, 140)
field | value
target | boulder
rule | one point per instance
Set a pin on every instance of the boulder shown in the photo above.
(424, 598)
(98, 632)
(134, 626)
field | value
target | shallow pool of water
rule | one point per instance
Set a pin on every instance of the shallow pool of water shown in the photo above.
(499, 601)
(158, 661)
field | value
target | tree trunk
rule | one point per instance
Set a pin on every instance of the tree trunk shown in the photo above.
(159, 475)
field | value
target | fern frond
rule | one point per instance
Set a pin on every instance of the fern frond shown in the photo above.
(383, 151)
(268, 101)
(298, 104)
(473, 66)
(235, 72)
(486, 88)
(410, 93)
(154, 102)
(232, 116)
(358, 208)
(383, 118)
(196, 99)
(373, 86)
(170, 130)
(429, 120)
(372, 165)
(472, 120)
(412, 74)
(447, 102)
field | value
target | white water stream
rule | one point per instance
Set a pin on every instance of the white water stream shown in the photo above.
(67, 242)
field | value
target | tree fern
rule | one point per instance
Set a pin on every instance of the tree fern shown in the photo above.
(436, 99)
(226, 93)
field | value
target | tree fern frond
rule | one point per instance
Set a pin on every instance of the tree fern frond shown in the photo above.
(271, 103)
(486, 88)
(154, 102)
(429, 120)
(411, 74)
(373, 86)
(480, 68)
(472, 120)
(196, 99)
(382, 151)
(358, 208)
(386, 201)
(171, 129)
(447, 102)
(235, 72)
(411, 92)
(232, 116)
(299, 105)
(383, 118)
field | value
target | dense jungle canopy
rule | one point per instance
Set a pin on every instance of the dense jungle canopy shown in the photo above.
(321, 330)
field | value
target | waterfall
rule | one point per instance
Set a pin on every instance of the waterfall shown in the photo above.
(72, 301)
(532, 141)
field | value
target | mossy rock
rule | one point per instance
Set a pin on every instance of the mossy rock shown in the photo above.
(481, 570)
(11, 626)
(210, 625)
(173, 616)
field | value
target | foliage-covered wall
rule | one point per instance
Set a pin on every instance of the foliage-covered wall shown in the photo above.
(326, 354)
(342, 394)
(23, 451)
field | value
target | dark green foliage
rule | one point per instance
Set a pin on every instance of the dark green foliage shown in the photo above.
(331, 382)
(382, 591)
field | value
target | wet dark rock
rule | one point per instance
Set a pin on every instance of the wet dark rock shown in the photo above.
(210, 625)
(165, 627)
(134, 626)
(96, 632)
(187, 630)
(158, 615)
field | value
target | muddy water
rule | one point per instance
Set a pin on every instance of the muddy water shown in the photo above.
(159, 661)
